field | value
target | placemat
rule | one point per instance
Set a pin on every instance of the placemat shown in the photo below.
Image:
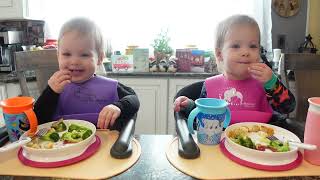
(212, 164)
(99, 166)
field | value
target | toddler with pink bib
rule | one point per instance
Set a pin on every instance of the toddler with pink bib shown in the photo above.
(249, 86)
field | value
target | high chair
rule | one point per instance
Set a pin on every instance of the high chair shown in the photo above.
(187, 147)
(44, 63)
(306, 69)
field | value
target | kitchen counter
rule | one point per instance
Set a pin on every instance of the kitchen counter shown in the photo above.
(163, 74)
(12, 77)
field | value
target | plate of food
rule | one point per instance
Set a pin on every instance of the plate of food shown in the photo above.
(64, 139)
(251, 142)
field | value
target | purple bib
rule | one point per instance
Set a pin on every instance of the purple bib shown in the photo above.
(85, 100)
(247, 98)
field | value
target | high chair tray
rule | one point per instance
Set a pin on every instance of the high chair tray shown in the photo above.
(100, 165)
(213, 164)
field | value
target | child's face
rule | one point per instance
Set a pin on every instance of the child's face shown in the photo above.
(77, 53)
(240, 49)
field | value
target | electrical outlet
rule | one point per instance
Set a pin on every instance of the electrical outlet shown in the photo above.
(281, 41)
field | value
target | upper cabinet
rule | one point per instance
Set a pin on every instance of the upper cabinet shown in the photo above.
(21, 9)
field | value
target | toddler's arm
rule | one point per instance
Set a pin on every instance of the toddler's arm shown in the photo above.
(124, 109)
(183, 103)
(46, 105)
(280, 98)
(128, 101)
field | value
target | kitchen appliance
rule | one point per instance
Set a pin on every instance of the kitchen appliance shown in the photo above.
(10, 42)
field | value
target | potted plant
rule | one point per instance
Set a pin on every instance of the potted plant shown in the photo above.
(162, 50)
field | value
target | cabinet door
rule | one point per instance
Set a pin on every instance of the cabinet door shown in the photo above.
(21, 9)
(152, 93)
(3, 92)
(174, 86)
(13, 89)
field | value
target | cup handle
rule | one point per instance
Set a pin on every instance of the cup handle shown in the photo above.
(33, 121)
(191, 117)
(228, 118)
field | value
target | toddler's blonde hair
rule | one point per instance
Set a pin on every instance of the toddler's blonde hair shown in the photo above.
(224, 26)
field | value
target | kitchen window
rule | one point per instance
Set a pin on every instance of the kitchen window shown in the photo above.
(137, 22)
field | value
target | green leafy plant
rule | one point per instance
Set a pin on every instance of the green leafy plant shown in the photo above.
(161, 43)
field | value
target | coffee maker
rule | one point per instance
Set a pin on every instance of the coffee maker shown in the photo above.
(10, 42)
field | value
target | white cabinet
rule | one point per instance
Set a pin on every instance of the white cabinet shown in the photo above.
(21, 9)
(9, 90)
(3, 95)
(3, 92)
(13, 89)
(152, 93)
(174, 86)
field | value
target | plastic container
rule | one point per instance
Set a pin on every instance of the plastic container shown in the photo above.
(311, 132)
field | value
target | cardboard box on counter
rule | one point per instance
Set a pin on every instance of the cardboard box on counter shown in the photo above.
(122, 63)
(197, 61)
(141, 60)
(183, 60)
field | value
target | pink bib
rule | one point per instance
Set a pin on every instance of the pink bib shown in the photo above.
(246, 98)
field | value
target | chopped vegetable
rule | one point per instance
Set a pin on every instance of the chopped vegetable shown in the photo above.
(76, 133)
(255, 137)
(86, 134)
(76, 127)
(51, 135)
(59, 126)
(244, 141)
(279, 146)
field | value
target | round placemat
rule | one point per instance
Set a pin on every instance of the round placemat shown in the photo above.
(100, 165)
(213, 164)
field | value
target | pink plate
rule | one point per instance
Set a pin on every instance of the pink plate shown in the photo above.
(87, 153)
(283, 167)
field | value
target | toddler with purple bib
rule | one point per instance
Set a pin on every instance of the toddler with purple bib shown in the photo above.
(75, 91)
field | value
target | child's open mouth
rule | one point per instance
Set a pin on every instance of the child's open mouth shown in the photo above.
(76, 72)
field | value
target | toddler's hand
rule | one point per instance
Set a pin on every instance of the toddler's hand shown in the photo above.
(180, 103)
(58, 80)
(260, 72)
(107, 116)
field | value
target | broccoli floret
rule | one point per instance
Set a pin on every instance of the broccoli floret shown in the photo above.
(59, 126)
(244, 141)
(76, 133)
(71, 137)
(75, 127)
(279, 146)
(51, 136)
(86, 134)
